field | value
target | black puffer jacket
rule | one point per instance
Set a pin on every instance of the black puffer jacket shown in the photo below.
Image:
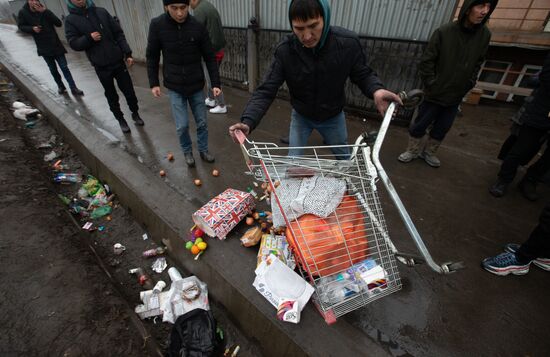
(315, 79)
(112, 48)
(182, 47)
(47, 41)
(537, 112)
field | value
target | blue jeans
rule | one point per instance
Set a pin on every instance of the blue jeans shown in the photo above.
(441, 117)
(62, 62)
(178, 103)
(333, 131)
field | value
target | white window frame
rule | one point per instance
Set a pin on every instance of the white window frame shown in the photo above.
(520, 78)
(504, 75)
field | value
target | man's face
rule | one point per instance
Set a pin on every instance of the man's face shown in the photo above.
(477, 13)
(309, 32)
(178, 11)
(79, 3)
(194, 3)
(34, 3)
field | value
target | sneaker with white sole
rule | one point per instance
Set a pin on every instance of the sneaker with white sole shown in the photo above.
(504, 264)
(219, 110)
(543, 263)
(210, 102)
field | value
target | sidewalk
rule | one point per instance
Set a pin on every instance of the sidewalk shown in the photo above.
(470, 312)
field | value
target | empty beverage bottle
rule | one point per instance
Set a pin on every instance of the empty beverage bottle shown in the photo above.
(153, 252)
(67, 177)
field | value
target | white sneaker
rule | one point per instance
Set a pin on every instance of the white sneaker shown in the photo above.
(219, 110)
(210, 102)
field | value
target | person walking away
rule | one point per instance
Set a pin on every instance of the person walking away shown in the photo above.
(449, 69)
(315, 61)
(35, 19)
(92, 29)
(183, 43)
(205, 13)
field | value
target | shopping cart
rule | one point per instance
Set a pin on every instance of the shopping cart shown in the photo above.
(334, 220)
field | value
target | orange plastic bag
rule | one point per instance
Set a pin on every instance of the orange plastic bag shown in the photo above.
(325, 246)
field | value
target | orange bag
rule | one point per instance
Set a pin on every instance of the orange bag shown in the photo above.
(333, 244)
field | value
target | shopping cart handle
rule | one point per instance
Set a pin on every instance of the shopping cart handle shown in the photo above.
(239, 135)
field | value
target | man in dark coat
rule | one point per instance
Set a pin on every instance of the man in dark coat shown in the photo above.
(92, 29)
(315, 62)
(183, 43)
(448, 69)
(535, 126)
(40, 22)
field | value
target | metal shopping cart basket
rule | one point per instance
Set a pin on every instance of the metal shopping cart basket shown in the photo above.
(333, 217)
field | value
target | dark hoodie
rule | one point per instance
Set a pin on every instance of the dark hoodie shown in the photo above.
(47, 41)
(81, 22)
(316, 78)
(453, 58)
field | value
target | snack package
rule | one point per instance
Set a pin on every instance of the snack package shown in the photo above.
(278, 246)
(252, 237)
(288, 310)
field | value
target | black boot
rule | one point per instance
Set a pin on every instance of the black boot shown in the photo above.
(77, 92)
(189, 159)
(206, 156)
(61, 90)
(124, 125)
(498, 189)
(528, 187)
(137, 119)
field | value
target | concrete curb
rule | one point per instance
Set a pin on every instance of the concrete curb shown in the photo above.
(166, 213)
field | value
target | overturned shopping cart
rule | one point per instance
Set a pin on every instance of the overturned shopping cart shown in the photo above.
(333, 217)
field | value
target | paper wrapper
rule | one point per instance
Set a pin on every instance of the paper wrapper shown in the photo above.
(222, 213)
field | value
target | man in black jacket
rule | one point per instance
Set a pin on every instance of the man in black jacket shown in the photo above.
(93, 29)
(183, 42)
(40, 22)
(315, 62)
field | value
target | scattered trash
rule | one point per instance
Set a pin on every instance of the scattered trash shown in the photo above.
(30, 124)
(118, 248)
(51, 156)
(64, 199)
(159, 286)
(87, 226)
(275, 245)
(57, 166)
(159, 265)
(251, 236)
(143, 278)
(145, 236)
(153, 252)
(101, 228)
(67, 177)
(221, 214)
(215, 173)
(101, 211)
(19, 105)
(288, 311)
(26, 113)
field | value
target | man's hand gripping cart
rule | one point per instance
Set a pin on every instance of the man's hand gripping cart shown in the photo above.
(333, 217)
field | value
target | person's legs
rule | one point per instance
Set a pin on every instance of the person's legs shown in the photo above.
(300, 130)
(107, 80)
(334, 132)
(441, 126)
(62, 62)
(126, 86)
(427, 112)
(196, 101)
(210, 100)
(50, 61)
(178, 103)
(535, 173)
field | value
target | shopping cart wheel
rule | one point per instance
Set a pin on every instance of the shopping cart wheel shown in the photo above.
(412, 98)
(452, 267)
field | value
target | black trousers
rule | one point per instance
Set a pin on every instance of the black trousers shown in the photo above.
(527, 143)
(538, 244)
(107, 77)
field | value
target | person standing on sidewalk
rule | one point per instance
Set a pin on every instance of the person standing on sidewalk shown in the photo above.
(315, 62)
(517, 258)
(40, 22)
(532, 134)
(184, 44)
(206, 14)
(92, 29)
(449, 69)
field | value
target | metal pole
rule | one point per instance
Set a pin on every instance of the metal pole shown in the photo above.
(252, 46)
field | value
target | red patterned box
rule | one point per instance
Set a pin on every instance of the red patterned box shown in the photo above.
(218, 217)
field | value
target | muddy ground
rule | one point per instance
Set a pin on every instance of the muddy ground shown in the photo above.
(64, 292)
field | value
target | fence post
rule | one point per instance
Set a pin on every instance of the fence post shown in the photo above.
(252, 46)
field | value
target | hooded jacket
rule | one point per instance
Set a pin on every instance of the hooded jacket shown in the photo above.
(537, 111)
(206, 14)
(183, 46)
(81, 22)
(316, 78)
(453, 58)
(47, 42)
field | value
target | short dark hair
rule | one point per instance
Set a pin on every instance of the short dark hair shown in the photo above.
(305, 10)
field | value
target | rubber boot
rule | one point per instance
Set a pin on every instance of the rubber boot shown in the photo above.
(429, 153)
(413, 150)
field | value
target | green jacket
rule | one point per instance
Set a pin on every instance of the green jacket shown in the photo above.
(206, 14)
(453, 58)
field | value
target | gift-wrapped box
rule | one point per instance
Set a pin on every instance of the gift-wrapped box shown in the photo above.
(218, 217)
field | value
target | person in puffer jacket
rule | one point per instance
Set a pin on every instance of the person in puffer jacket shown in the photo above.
(315, 62)
(92, 29)
(449, 69)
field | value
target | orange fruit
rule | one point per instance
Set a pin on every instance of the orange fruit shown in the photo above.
(195, 250)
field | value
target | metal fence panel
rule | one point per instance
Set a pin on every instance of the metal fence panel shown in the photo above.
(235, 13)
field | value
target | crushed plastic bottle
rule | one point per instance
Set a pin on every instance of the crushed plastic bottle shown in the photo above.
(67, 177)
